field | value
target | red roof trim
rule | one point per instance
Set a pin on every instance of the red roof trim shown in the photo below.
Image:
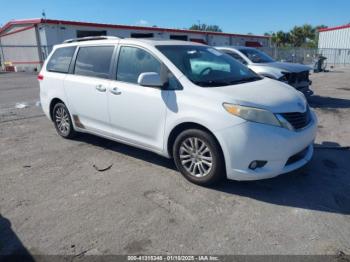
(334, 28)
(63, 22)
(19, 30)
(20, 22)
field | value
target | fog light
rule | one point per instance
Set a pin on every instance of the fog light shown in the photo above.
(257, 163)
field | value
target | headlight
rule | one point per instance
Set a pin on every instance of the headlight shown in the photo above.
(253, 114)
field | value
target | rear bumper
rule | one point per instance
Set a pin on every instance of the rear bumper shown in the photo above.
(45, 104)
(249, 141)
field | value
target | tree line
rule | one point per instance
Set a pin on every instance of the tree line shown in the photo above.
(299, 36)
(205, 27)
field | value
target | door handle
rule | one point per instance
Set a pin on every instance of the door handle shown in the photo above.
(100, 88)
(115, 91)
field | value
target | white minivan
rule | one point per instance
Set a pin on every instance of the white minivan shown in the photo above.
(187, 101)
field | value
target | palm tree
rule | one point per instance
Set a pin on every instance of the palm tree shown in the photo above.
(309, 31)
(297, 36)
(305, 35)
(280, 38)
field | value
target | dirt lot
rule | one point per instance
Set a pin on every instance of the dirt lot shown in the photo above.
(53, 201)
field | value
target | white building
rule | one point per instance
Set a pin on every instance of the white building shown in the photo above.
(334, 43)
(24, 44)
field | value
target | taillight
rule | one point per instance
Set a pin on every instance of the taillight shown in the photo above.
(40, 77)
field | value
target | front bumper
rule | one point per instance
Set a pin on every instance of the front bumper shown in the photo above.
(249, 141)
(302, 86)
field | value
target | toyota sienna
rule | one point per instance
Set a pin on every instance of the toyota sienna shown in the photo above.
(187, 101)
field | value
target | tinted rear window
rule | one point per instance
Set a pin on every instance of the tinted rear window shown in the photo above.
(61, 59)
(94, 61)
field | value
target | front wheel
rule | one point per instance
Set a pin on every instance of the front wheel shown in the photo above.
(63, 121)
(198, 157)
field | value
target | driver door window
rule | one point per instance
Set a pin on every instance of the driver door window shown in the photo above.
(134, 61)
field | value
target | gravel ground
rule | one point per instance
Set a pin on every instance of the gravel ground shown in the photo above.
(53, 201)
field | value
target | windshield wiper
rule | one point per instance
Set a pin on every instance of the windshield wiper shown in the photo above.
(246, 80)
(211, 83)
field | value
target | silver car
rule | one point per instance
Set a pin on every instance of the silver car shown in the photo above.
(296, 75)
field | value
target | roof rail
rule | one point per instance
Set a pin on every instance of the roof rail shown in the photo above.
(90, 38)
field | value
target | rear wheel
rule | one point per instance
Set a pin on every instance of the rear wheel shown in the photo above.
(63, 121)
(198, 157)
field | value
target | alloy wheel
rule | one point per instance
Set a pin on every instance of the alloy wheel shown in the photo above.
(196, 156)
(62, 120)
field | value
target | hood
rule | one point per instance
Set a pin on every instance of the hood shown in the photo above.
(288, 67)
(268, 94)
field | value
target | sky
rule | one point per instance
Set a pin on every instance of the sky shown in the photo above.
(247, 16)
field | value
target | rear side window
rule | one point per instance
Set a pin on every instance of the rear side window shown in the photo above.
(94, 61)
(61, 59)
(133, 61)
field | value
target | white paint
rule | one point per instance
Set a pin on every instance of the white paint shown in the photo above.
(145, 116)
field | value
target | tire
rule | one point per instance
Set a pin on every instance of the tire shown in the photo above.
(201, 163)
(62, 121)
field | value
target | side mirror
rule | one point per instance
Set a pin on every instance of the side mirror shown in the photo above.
(150, 79)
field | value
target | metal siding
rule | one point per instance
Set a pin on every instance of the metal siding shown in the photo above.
(217, 40)
(26, 37)
(339, 38)
(55, 34)
(238, 41)
(27, 53)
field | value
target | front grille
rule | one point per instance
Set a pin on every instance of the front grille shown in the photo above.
(298, 120)
(296, 157)
(295, 78)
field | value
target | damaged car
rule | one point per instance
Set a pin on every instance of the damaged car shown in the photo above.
(296, 75)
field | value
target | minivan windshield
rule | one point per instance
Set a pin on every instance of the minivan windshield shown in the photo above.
(206, 66)
(256, 56)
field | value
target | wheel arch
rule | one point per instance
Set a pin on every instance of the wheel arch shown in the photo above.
(53, 102)
(185, 126)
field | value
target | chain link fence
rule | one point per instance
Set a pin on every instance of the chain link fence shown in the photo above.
(309, 56)
(31, 57)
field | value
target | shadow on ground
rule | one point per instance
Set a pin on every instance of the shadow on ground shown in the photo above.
(332, 71)
(126, 150)
(328, 102)
(11, 247)
(323, 185)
